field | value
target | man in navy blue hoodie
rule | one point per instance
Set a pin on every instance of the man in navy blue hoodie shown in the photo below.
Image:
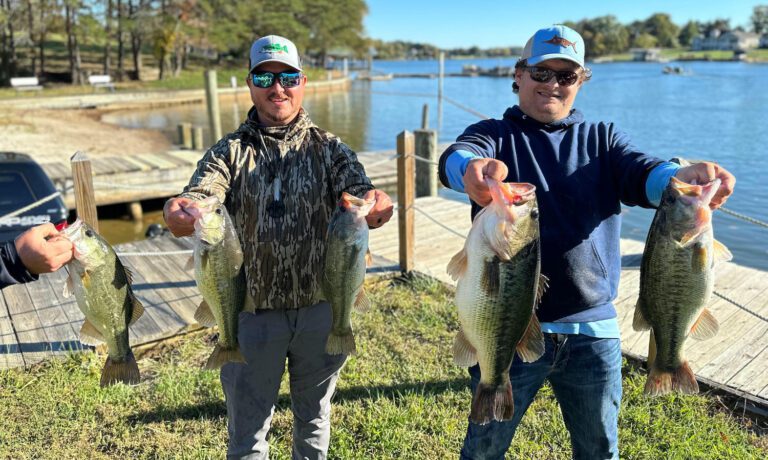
(582, 171)
(38, 250)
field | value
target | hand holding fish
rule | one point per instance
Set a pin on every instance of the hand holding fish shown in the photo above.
(381, 211)
(474, 178)
(42, 249)
(704, 173)
(179, 221)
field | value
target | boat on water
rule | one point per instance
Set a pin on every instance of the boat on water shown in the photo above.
(675, 70)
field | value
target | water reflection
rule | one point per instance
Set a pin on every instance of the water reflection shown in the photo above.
(346, 114)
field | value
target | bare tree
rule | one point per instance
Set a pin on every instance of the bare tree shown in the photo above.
(108, 36)
(73, 47)
(120, 41)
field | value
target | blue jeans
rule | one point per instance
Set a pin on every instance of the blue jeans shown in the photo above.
(585, 374)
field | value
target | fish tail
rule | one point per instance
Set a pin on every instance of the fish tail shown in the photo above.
(492, 402)
(681, 379)
(221, 356)
(340, 343)
(126, 371)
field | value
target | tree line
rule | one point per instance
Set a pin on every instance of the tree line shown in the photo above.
(170, 32)
(602, 35)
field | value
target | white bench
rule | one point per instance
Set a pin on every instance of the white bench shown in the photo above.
(101, 81)
(26, 84)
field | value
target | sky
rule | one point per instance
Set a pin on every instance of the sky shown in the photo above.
(487, 24)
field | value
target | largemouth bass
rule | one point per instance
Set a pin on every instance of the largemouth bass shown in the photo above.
(102, 287)
(344, 271)
(218, 265)
(676, 282)
(498, 273)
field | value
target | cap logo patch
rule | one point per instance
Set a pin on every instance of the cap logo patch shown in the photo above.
(555, 40)
(274, 48)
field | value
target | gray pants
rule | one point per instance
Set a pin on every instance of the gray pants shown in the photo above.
(267, 338)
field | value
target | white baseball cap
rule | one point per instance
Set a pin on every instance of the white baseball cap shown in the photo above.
(274, 48)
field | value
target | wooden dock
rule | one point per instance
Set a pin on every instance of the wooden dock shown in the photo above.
(127, 179)
(37, 323)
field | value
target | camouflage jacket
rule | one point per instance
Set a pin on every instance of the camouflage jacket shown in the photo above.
(302, 168)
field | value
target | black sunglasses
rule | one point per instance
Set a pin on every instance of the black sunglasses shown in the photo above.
(267, 79)
(544, 75)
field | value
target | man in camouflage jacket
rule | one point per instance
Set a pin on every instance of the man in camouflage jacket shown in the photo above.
(280, 177)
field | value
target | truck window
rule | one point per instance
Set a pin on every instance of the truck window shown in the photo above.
(15, 192)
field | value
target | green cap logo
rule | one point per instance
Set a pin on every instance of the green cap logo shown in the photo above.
(275, 48)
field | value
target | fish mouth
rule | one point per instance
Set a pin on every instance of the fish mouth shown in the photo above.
(70, 232)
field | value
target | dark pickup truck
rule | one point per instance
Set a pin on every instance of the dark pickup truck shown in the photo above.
(23, 182)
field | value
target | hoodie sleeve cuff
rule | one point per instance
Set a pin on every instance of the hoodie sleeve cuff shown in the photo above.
(657, 181)
(456, 166)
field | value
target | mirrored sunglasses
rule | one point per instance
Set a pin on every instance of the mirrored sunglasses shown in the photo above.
(267, 79)
(544, 75)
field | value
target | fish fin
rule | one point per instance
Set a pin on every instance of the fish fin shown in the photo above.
(542, 287)
(492, 402)
(221, 356)
(681, 380)
(341, 343)
(249, 305)
(128, 274)
(651, 349)
(705, 327)
(190, 265)
(639, 323)
(69, 288)
(138, 308)
(464, 354)
(368, 258)
(126, 371)
(204, 315)
(458, 265)
(699, 258)
(531, 344)
(362, 304)
(89, 335)
(722, 253)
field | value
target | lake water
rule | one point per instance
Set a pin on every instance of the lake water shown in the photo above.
(718, 112)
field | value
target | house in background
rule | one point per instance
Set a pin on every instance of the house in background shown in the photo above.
(645, 54)
(727, 41)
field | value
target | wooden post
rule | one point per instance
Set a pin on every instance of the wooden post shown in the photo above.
(135, 210)
(212, 99)
(441, 76)
(425, 117)
(197, 138)
(405, 191)
(185, 135)
(85, 200)
(426, 173)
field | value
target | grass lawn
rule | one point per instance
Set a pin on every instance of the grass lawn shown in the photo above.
(399, 398)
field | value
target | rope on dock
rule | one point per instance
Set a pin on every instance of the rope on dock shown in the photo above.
(744, 217)
(424, 160)
(148, 254)
(395, 93)
(381, 162)
(145, 187)
(465, 108)
(753, 313)
(439, 223)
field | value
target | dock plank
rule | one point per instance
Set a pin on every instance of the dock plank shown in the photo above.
(32, 340)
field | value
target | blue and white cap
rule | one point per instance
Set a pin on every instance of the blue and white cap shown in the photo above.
(556, 42)
(274, 48)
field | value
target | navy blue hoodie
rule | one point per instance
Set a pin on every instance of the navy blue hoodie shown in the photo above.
(12, 270)
(582, 172)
